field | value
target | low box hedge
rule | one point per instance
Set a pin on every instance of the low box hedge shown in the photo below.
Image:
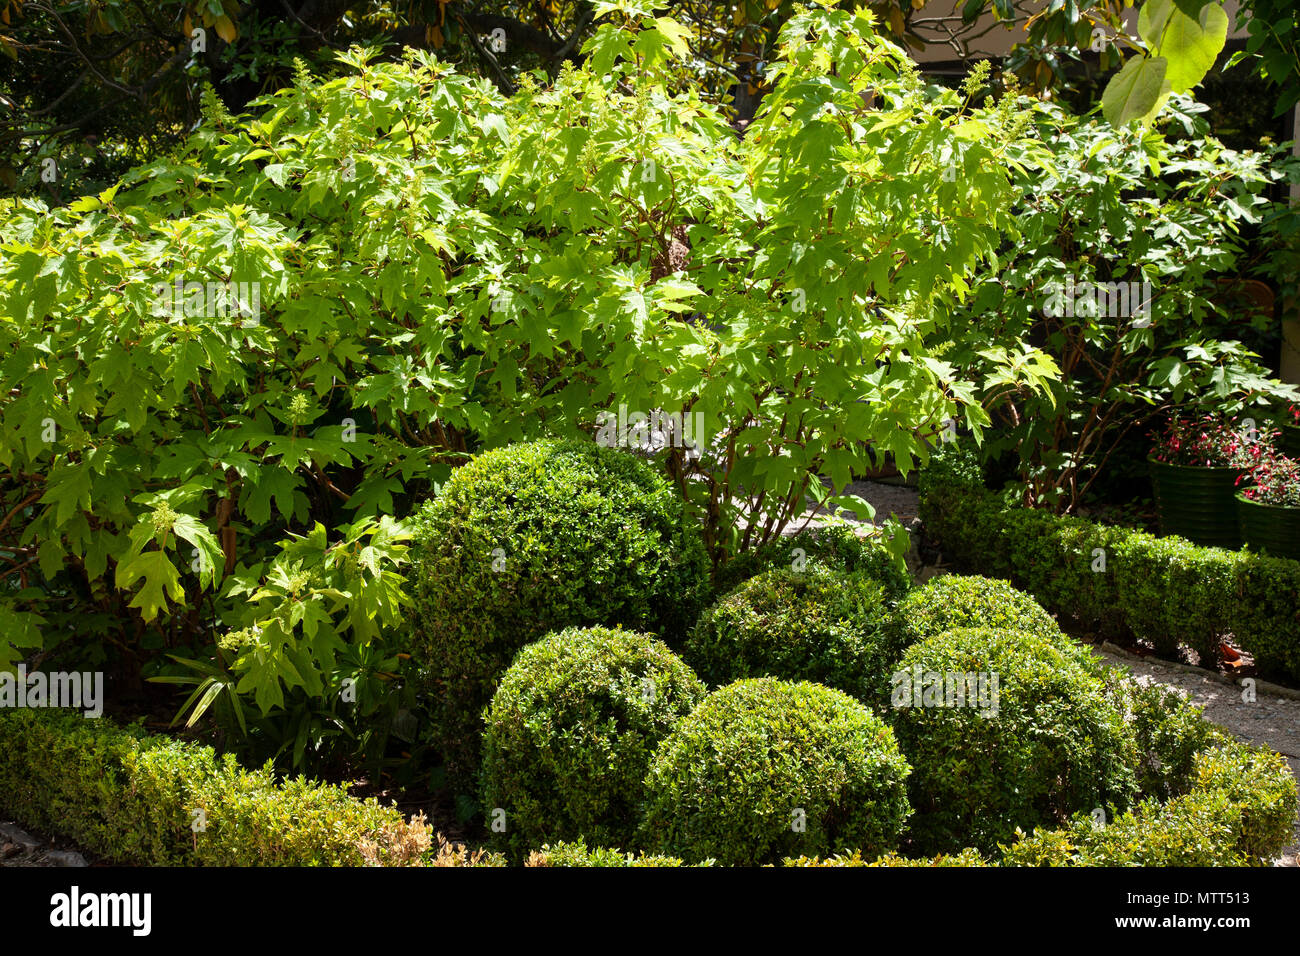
(134, 798)
(578, 854)
(1239, 811)
(1237, 808)
(1115, 581)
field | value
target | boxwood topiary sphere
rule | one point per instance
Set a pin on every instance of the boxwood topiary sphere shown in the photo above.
(1170, 732)
(820, 625)
(766, 769)
(969, 600)
(1005, 729)
(571, 730)
(956, 600)
(529, 539)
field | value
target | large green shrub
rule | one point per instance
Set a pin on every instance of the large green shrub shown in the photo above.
(533, 538)
(1120, 236)
(134, 798)
(412, 291)
(1042, 743)
(571, 730)
(828, 627)
(764, 769)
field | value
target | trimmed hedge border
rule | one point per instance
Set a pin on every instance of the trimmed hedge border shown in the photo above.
(1165, 590)
(577, 854)
(132, 798)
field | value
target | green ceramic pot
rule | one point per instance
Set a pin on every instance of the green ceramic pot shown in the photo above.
(1197, 503)
(1271, 528)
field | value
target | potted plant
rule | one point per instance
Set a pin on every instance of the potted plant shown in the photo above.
(1268, 511)
(1195, 466)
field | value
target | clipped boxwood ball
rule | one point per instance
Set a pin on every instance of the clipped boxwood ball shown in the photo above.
(835, 544)
(955, 600)
(766, 769)
(570, 733)
(820, 625)
(533, 538)
(1005, 729)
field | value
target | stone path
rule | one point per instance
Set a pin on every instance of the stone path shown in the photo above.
(887, 499)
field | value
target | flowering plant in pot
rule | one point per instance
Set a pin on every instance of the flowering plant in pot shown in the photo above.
(1195, 467)
(1268, 509)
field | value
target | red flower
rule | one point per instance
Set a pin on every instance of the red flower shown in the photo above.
(1210, 442)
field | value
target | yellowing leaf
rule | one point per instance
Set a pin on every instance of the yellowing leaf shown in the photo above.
(226, 28)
